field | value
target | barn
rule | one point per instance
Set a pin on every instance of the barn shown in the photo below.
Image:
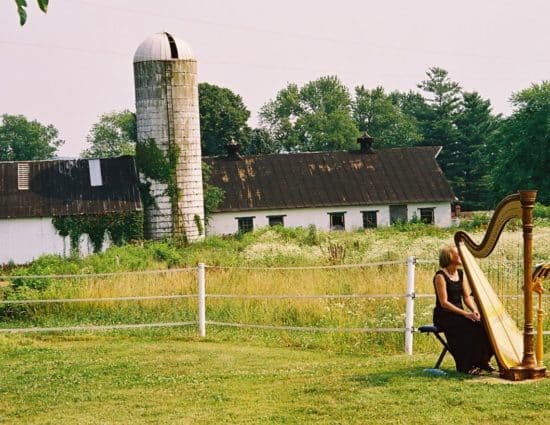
(366, 188)
(32, 193)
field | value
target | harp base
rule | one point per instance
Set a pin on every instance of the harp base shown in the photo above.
(521, 373)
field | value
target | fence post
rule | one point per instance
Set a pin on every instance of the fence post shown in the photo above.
(409, 308)
(202, 301)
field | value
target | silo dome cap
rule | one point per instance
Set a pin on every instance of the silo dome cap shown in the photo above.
(162, 47)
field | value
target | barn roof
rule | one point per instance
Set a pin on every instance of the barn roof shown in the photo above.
(63, 187)
(330, 179)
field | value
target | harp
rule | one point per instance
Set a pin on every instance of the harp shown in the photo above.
(514, 350)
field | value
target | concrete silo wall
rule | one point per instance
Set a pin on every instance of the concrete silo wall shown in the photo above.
(167, 109)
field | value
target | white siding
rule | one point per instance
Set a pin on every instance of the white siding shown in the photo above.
(25, 239)
(226, 223)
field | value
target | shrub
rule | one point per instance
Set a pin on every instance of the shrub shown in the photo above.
(541, 211)
(165, 252)
(312, 236)
(479, 220)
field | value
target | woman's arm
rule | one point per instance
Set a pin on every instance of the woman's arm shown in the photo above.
(441, 290)
(466, 296)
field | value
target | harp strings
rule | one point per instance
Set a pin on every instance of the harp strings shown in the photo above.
(504, 270)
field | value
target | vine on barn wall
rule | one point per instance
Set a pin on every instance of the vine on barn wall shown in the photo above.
(198, 223)
(213, 195)
(150, 162)
(122, 227)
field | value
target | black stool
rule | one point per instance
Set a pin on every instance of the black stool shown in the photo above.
(437, 332)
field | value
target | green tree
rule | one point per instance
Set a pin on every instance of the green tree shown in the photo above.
(260, 142)
(315, 117)
(213, 195)
(380, 116)
(412, 104)
(437, 121)
(443, 97)
(476, 125)
(114, 135)
(522, 145)
(223, 117)
(24, 140)
(278, 117)
(22, 11)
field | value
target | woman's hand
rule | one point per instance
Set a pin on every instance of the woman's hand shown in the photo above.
(473, 316)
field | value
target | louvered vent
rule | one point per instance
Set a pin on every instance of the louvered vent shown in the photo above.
(23, 176)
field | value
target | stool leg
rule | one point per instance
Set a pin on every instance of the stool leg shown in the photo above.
(440, 359)
(445, 349)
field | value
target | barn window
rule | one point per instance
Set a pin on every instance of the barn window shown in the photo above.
(370, 219)
(245, 224)
(427, 215)
(95, 172)
(398, 214)
(337, 221)
(276, 220)
(23, 176)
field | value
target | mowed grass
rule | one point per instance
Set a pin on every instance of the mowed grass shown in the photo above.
(171, 377)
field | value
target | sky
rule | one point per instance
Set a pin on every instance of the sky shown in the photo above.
(71, 65)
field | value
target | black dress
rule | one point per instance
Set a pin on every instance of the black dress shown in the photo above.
(467, 340)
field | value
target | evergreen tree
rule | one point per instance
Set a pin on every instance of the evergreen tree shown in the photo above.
(260, 142)
(476, 125)
(437, 122)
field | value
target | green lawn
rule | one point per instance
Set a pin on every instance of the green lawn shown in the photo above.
(164, 377)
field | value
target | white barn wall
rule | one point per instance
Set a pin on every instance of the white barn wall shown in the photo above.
(22, 240)
(226, 223)
(442, 212)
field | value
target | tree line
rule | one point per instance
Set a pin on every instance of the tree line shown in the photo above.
(484, 155)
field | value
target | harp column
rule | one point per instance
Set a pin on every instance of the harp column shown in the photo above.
(527, 199)
(529, 369)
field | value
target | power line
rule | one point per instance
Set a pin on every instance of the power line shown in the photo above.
(304, 36)
(269, 67)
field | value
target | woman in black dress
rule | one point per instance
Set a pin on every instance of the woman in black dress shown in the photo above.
(466, 337)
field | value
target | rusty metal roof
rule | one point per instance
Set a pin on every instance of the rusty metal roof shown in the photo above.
(62, 187)
(329, 179)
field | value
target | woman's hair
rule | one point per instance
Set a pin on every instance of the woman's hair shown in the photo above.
(446, 255)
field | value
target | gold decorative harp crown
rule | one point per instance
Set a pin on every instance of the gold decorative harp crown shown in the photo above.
(514, 351)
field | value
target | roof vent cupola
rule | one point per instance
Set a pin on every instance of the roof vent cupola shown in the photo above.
(366, 142)
(233, 148)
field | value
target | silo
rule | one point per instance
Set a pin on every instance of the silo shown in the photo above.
(167, 111)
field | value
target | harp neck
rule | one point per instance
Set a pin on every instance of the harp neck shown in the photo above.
(507, 209)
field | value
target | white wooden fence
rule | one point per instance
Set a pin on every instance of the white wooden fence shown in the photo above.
(201, 296)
